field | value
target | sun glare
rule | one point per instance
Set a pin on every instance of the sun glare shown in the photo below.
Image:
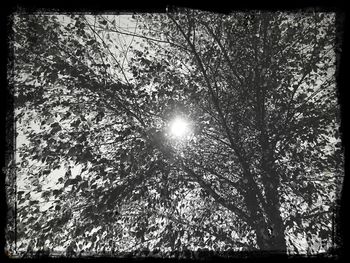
(179, 127)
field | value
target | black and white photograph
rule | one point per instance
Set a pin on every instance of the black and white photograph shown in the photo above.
(181, 134)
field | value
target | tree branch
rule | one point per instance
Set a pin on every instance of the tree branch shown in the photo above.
(223, 51)
(215, 195)
(144, 37)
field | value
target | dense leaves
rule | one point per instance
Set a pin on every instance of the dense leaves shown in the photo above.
(99, 171)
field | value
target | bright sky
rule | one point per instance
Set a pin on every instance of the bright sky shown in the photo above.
(179, 127)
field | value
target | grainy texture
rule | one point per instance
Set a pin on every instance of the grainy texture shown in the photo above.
(185, 134)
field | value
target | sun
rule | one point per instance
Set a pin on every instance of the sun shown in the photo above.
(179, 127)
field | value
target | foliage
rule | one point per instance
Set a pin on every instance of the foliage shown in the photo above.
(260, 170)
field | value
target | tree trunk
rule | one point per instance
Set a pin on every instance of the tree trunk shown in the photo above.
(271, 182)
(270, 236)
(270, 232)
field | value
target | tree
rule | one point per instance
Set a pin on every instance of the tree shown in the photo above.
(259, 170)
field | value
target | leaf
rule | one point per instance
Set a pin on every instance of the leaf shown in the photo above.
(68, 182)
(90, 42)
(84, 185)
(33, 202)
(46, 172)
(57, 192)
